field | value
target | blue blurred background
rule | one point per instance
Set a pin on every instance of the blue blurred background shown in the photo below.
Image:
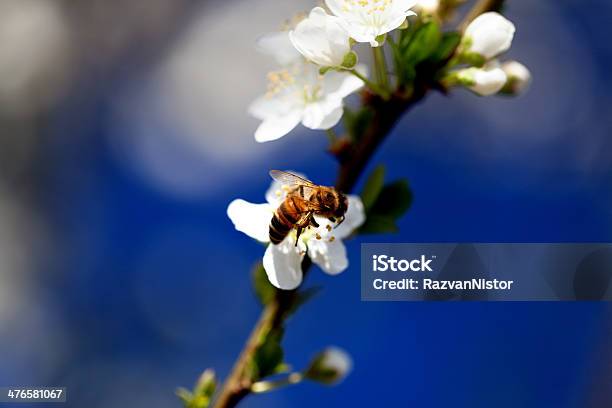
(124, 136)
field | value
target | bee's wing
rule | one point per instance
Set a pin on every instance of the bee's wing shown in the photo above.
(291, 179)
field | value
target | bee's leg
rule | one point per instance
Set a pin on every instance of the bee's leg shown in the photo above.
(332, 219)
(301, 224)
(340, 221)
(312, 221)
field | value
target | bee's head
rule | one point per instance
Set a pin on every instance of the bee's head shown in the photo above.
(334, 202)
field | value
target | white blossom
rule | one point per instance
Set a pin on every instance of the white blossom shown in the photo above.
(321, 38)
(299, 93)
(484, 81)
(518, 75)
(283, 262)
(365, 20)
(489, 35)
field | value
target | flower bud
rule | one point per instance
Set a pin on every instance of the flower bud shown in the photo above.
(329, 366)
(488, 35)
(518, 75)
(321, 39)
(428, 6)
(484, 81)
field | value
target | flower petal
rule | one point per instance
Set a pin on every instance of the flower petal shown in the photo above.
(336, 7)
(329, 256)
(252, 219)
(278, 45)
(487, 80)
(265, 107)
(324, 114)
(341, 84)
(353, 219)
(275, 127)
(321, 39)
(283, 265)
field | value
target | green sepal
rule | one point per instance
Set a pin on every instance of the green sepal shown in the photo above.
(380, 39)
(350, 60)
(473, 59)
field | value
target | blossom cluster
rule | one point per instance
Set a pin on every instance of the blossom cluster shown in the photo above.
(298, 91)
(317, 69)
(485, 38)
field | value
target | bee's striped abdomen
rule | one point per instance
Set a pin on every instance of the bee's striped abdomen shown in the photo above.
(283, 221)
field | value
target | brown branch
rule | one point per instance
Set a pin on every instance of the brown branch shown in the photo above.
(481, 6)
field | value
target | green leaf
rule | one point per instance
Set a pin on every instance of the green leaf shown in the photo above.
(303, 297)
(447, 46)
(184, 395)
(394, 200)
(206, 385)
(268, 358)
(373, 187)
(356, 122)
(263, 288)
(379, 224)
(203, 391)
(423, 43)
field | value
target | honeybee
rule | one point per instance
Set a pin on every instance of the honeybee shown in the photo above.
(304, 200)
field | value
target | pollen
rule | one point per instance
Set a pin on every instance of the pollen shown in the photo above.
(329, 228)
(278, 81)
(318, 236)
(332, 238)
(369, 6)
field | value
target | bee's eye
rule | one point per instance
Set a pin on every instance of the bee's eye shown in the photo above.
(329, 196)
